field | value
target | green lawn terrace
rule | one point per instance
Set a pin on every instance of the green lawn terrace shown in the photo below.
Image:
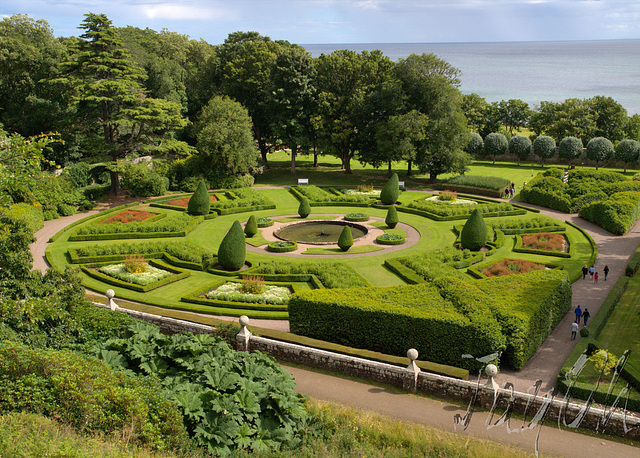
(194, 254)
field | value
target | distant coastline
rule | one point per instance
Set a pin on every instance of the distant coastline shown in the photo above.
(530, 70)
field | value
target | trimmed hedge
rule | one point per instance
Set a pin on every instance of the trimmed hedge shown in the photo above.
(519, 248)
(480, 182)
(405, 273)
(282, 246)
(474, 234)
(617, 214)
(150, 232)
(199, 203)
(319, 197)
(606, 309)
(331, 274)
(356, 217)
(442, 322)
(58, 234)
(390, 239)
(178, 275)
(633, 265)
(264, 222)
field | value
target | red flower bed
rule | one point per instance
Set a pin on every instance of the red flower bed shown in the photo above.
(184, 201)
(511, 266)
(546, 241)
(128, 216)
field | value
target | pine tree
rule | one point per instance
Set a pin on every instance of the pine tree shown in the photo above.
(233, 250)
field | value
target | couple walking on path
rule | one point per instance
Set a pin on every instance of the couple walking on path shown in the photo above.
(575, 326)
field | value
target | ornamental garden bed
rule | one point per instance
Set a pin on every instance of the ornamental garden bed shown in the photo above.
(184, 201)
(149, 274)
(510, 267)
(544, 243)
(128, 216)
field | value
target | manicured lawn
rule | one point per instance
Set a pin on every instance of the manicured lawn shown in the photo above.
(209, 234)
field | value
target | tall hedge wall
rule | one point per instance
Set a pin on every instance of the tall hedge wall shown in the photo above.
(443, 320)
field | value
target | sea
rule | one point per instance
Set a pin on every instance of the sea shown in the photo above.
(530, 71)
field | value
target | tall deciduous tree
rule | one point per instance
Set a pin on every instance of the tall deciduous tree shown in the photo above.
(514, 113)
(225, 143)
(401, 138)
(610, 117)
(111, 103)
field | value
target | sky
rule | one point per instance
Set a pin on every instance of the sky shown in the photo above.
(353, 21)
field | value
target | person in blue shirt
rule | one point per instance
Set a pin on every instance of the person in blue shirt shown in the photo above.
(578, 314)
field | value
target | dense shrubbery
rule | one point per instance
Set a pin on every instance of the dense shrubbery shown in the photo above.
(141, 181)
(331, 274)
(616, 214)
(475, 181)
(57, 195)
(31, 215)
(240, 198)
(229, 400)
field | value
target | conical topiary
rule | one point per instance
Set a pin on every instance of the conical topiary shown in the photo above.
(391, 191)
(251, 228)
(232, 250)
(474, 233)
(345, 241)
(304, 209)
(199, 204)
(392, 217)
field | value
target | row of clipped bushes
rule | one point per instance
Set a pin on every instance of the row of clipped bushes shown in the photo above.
(475, 184)
(443, 319)
(446, 212)
(178, 225)
(616, 214)
(317, 195)
(182, 250)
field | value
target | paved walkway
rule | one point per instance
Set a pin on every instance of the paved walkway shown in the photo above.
(614, 251)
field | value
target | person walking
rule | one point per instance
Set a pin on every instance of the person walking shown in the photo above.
(592, 270)
(585, 271)
(574, 330)
(606, 272)
(595, 277)
(578, 313)
(586, 315)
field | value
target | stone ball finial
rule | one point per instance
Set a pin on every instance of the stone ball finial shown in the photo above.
(110, 294)
(412, 354)
(244, 320)
(491, 370)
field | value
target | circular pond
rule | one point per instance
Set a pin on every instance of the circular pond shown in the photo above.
(318, 232)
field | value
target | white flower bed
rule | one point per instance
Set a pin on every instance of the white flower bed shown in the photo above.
(119, 271)
(373, 193)
(436, 199)
(231, 292)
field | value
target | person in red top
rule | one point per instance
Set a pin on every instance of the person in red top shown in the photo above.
(595, 277)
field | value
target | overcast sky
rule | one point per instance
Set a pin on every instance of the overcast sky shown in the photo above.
(354, 21)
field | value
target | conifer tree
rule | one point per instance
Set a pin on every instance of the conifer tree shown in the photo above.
(474, 233)
(199, 203)
(233, 250)
(304, 209)
(251, 228)
(391, 191)
(345, 241)
(392, 217)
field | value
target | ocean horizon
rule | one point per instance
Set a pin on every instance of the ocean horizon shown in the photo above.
(532, 71)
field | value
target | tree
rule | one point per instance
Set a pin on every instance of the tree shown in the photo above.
(544, 147)
(477, 111)
(632, 129)
(233, 250)
(110, 101)
(474, 232)
(345, 241)
(400, 138)
(610, 117)
(514, 114)
(475, 147)
(294, 98)
(392, 220)
(390, 191)
(520, 146)
(199, 203)
(627, 151)
(570, 148)
(495, 145)
(251, 228)
(304, 209)
(570, 118)
(599, 149)
(225, 142)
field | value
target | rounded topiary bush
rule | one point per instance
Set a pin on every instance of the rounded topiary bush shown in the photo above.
(475, 147)
(282, 246)
(390, 239)
(474, 233)
(251, 228)
(495, 144)
(520, 146)
(584, 332)
(345, 241)
(356, 217)
(391, 191)
(392, 217)
(544, 147)
(199, 204)
(599, 149)
(304, 209)
(232, 250)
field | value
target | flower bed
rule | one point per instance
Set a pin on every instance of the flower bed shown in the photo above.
(282, 246)
(511, 266)
(390, 239)
(264, 222)
(128, 216)
(184, 201)
(231, 291)
(356, 217)
(119, 271)
(440, 200)
(546, 241)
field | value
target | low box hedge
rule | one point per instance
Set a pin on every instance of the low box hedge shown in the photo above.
(232, 273)
(519, 248)
(137, 235)
(178, 275)
(384, 239)
(90, 217)
(282, 247)
(405, 273)
(633, 265)
(356, 217)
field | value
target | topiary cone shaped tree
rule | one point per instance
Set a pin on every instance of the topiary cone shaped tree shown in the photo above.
(345, 241)
(251, 228)
(474, 233)
(391, 191)
(304, 209)
(232, 250)
(199, 204)
(392, 217)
